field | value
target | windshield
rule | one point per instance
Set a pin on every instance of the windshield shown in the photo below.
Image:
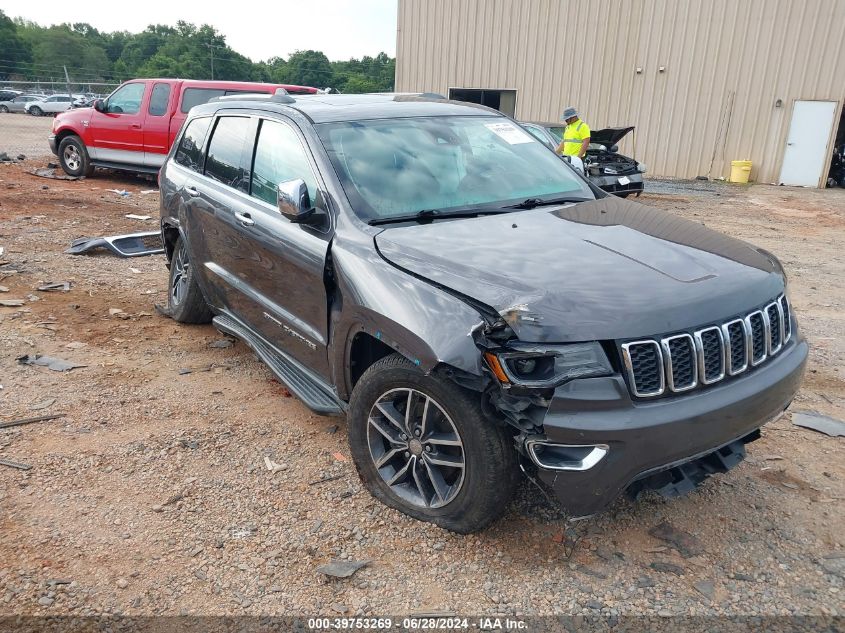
(557, 132)
(396, 167)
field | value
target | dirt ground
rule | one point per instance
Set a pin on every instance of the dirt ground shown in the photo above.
(151, 495)
(22, 133)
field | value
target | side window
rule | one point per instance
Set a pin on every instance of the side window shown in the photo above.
(225, 161)
(279, 156)
(189, 152)
(126, 100)
(159, 100)
(197, 96)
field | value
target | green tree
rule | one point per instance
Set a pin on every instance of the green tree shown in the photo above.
(16, 51)
(309, 68)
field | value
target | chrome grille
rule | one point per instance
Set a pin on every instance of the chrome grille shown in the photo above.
(757, 331)
(681, 362)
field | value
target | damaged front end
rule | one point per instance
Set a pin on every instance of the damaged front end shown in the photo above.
(589, 439)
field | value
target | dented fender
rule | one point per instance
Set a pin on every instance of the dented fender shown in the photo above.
(424, 323)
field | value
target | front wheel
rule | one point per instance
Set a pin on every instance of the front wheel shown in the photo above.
(422, 446)
(73, 157)
(36, 111)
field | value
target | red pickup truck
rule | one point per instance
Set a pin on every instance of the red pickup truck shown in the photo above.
(133, 128)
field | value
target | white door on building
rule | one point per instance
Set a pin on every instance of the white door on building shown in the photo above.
(805, 157)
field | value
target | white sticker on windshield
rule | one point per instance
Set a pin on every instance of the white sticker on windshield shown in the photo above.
(509, 132)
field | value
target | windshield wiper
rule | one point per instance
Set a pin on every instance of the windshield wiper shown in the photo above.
(531, 203)
(428, 215)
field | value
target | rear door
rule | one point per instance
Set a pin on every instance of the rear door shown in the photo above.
(157, 124)
(217, 246)
(117, 133)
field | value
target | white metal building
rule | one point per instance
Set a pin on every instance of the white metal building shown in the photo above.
(704, 82)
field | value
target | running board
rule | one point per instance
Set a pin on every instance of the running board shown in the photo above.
(311, 390)
(136, 169)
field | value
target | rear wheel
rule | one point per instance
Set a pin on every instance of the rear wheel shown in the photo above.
(422, 446)
(185, 301)
(36, 111)
(4, 109)
(73, 157)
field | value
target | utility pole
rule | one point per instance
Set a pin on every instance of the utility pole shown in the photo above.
(67, 81)
(211, 48)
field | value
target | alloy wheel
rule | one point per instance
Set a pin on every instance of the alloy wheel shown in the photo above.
(179, 283)
(416, 448)
(72, 158)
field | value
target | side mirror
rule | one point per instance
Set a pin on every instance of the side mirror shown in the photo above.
(99, 105)
(293, 201)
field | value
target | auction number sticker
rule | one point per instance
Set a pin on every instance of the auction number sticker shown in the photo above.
(509, 133)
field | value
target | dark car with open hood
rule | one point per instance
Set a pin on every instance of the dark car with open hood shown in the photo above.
(604, 166)
(475, 309)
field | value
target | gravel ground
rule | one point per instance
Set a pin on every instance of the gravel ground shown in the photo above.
(25, 134)
(151, 495)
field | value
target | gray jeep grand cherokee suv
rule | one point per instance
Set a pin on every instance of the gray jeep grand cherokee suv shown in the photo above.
(474, 308)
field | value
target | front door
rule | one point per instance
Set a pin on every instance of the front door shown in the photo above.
(283, 272)
(118, 133)
(805, 158)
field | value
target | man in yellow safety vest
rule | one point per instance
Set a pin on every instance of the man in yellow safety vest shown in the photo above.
(576, 135)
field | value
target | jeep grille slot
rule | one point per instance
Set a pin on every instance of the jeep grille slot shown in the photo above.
(787, 323)
(711, 351)
(735, 334)
(681, 366)
(681, 362)
(644, 364)
(757, 326)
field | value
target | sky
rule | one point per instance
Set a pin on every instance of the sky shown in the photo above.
(260, 30)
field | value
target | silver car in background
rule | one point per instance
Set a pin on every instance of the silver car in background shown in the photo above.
(51, 105)
(20, 103)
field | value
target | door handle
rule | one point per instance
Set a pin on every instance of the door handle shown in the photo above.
(136, 126)
(244, 218)
(192, 191)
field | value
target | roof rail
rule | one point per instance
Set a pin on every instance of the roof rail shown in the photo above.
(432, 95)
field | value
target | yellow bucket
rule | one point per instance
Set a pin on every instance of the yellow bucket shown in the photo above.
(740, 171)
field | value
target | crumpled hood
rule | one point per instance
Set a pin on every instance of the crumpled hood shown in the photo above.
(604, 269)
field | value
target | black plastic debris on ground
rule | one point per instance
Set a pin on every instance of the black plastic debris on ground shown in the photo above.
(818, 422)
(48, 172)
(130, 245)
(50, 362)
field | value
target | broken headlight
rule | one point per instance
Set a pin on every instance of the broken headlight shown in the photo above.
(549, 366)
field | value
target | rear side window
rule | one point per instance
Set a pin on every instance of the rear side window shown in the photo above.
(159, 99)
(279, 156)
(197, 96)
(189, 153)
(226, 157)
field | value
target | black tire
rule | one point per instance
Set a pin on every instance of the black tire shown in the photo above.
(184, 299)
(489, 474)
(73, 157)
(36, 111)
(4, 109)
(623, 195)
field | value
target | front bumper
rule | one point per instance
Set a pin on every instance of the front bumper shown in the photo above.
(52, 141)
(611, 184)
(647, 437)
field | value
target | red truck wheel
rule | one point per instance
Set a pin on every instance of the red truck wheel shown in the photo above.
(73, 157)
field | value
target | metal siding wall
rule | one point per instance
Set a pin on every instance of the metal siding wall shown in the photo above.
(583, 52)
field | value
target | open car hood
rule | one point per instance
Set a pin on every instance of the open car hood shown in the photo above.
(610, 135)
